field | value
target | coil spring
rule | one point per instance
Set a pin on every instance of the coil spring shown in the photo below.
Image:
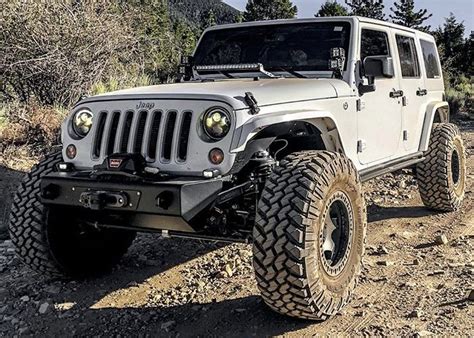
(264, 164)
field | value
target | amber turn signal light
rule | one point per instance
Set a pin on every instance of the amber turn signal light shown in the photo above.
(71, 151)
(216, 156)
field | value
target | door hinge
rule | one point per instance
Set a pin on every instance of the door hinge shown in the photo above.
(404, 101)
(405, 135)
(361, 145)
(360, 105)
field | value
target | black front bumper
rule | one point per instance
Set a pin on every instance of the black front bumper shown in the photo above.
(177, 197)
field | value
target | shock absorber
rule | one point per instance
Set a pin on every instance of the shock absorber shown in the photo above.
(263, 163)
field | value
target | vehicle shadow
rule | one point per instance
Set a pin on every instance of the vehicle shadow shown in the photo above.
(240, 317)
(88, 315)
(377, 213)
(84, 296)
(148, 257)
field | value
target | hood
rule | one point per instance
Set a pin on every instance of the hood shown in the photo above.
(265, 91)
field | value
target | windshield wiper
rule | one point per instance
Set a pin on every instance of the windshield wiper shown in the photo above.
(231, 68)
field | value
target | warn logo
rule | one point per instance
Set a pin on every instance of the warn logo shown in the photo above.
(114, 163)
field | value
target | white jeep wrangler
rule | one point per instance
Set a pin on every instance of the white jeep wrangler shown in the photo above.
(265, 139)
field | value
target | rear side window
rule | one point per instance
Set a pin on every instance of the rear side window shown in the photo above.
(374, 43)
(408, 56)
(430, 58)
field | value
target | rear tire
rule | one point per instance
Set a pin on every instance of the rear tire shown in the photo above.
(53, 241)
(309, 235)
(442, 175)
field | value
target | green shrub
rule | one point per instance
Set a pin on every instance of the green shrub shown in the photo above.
(54, 51)
(460, 95)
(113, 84)
(30, 124)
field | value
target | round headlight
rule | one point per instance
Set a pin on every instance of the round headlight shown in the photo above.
(82, 122)
(216, 123)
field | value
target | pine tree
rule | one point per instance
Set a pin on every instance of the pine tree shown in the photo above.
(185, 37)
(451, 42)
(404, 14)
(269, 10)
(470, 55)
(209, 19)
(369, 9)
(331, 8)
(239, 18)
(158, 49)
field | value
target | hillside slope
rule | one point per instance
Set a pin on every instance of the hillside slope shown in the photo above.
(197, 11)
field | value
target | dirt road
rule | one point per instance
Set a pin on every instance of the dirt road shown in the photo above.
(412, 282)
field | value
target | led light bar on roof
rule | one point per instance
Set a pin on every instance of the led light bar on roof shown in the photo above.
(242, 66)
(251, 67)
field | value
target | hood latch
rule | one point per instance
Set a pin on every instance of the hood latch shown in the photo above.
(252, 103)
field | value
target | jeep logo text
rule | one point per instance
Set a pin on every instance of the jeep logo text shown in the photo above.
(145, 105)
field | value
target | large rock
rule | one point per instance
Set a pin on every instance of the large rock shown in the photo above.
(441, 240)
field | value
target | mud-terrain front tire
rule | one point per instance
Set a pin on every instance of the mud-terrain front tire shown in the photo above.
(53, 241)
(309, 235)
(441, 176)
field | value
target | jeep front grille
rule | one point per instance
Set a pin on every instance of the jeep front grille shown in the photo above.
(99, 134)
(184, 136)
(113, 133)
(127, 127)
(140, 132)
(168, 137)
(154, 134)
(155, 129)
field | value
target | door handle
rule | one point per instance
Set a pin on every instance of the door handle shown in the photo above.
(421, 92)
(394, 94)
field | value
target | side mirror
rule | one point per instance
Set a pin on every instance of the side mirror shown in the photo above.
(373, 67)
(378, 66)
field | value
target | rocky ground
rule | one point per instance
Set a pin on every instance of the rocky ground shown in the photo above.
(418, 279)
(8, 181)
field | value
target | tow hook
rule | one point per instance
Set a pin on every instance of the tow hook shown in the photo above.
(98, 200)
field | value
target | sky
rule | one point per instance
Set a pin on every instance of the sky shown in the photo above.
(462, 9)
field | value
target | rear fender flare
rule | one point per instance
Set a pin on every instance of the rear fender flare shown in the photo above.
(438, 110)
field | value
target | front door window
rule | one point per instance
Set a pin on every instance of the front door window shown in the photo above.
(374, 43)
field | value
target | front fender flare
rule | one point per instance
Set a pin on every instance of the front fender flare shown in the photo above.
(321, 119)
(433, 108)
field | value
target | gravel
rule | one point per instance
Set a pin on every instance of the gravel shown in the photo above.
(178, 287)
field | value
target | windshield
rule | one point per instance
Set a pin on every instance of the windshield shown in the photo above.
(297, 47)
